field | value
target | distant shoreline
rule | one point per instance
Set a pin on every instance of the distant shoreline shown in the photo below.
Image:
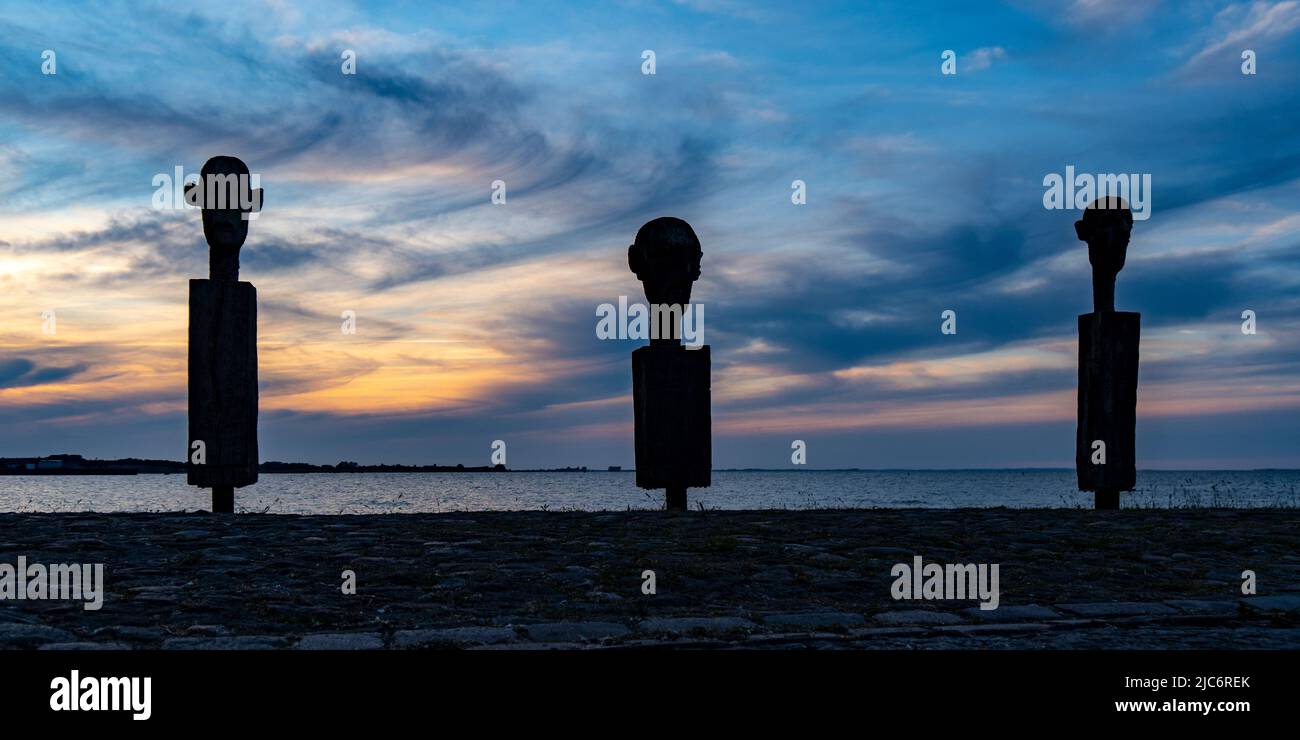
(181, 471)
(397, 469)
(67, 464)
(70, 464)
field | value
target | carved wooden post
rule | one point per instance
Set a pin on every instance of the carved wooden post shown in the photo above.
(1105, 455)
(223, 340)
(670, 383)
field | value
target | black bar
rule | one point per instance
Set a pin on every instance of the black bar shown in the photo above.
(988, 690)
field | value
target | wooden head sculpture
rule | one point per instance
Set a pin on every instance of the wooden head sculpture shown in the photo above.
(223, 338)
(670, 385)
(666, 259)
(227, 198)
(1105, 226)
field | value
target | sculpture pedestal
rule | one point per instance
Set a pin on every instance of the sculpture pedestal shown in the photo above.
(1108, 376)
(223, 387)
(670, 393)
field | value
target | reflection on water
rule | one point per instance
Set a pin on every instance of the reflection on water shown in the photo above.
(366, 493)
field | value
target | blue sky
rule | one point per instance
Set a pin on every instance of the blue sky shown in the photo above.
(475, 321)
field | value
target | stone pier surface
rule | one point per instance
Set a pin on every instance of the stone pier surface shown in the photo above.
(1131, 579)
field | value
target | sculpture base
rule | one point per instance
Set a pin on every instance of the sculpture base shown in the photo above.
(1108, 499)
(223, 500)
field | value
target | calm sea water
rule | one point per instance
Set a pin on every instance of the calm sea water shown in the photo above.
(364, 493)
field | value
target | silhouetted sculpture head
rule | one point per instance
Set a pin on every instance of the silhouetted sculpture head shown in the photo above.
(666, 259)
(1105, 226)
(226, 197)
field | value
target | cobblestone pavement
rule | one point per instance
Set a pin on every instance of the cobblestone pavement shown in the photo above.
(751, 579)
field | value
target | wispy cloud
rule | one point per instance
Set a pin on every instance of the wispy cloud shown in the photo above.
(983, 58)
(1254, 25)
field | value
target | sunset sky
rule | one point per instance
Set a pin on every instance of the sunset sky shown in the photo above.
(476, 321)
